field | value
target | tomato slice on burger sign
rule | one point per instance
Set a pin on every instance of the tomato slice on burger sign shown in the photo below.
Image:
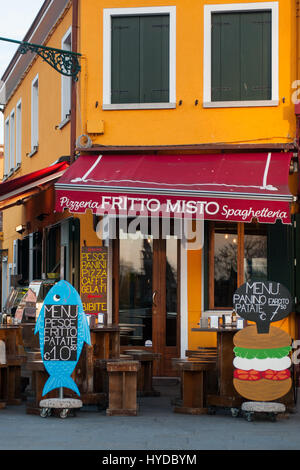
(262, 352)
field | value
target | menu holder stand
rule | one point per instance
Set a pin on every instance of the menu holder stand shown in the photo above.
(65, 406)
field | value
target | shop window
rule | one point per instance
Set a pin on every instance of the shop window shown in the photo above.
(241, 54)
(22, 257)
(36, 255)
(53, 250)
(63, 251)
(236, 253)
(139, 58)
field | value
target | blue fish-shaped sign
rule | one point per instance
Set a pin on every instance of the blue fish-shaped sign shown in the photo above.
(63, 328)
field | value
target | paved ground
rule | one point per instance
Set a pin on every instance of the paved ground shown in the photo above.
(155, 428)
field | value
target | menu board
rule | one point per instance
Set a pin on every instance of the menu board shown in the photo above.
(60, 333)
(93, 279)
(262, 302)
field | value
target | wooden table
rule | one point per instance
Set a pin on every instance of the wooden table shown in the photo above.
(39, 376)
(105, 345)
(227, 395)
(145, 373)
(10, 386)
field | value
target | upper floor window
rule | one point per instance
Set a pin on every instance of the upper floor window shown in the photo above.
(6, 147)
(66, 82)
(241, 54)
(18, 133)
(12, 142)
(34, 114)
(139, 58)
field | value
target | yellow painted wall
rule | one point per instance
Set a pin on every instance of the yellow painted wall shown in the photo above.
(187, 124)
(53, 143)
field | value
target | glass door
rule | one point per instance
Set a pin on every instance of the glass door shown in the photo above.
(147, 301)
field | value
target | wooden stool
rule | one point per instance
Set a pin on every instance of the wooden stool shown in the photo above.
(145, 373)
(122, 377)
(39, 378)
(193, 375)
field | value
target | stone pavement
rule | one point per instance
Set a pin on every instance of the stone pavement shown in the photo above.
(155, 428)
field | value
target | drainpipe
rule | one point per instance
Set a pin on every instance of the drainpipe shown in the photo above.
(75, 32)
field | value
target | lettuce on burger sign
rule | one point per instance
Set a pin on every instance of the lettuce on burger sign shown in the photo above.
(262, 302)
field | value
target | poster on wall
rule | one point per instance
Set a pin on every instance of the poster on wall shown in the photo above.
(262, 352)
(63, 329)
(93, 280)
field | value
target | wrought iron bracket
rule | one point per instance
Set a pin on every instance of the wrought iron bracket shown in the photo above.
(64, 62)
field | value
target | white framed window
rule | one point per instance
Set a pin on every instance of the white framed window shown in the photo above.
(6, 147)
(217, 22)
(12, 141)
(34, 114)
(66, 82)
(160, 91)
(19, 133)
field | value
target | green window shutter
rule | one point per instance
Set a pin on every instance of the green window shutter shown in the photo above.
(140, 59)
(241, 56)
(154, 59)
(125, 75)
(256, 48)
(225, 57)
(281, 255)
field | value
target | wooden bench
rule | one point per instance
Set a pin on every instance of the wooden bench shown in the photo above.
(145, 373)
(122, 376)
(194, 384)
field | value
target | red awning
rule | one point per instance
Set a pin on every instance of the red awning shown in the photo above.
(235, 187)
(29, 184)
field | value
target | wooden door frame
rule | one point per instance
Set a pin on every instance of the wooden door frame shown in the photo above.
(158, 312)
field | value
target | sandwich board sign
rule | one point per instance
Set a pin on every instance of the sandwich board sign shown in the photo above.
(262, 352)
(63, 329)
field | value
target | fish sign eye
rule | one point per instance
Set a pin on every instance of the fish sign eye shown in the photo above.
(56, 297)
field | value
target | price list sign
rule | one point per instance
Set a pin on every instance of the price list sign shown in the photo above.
(60, 333)
(93, 279)
(263, 303)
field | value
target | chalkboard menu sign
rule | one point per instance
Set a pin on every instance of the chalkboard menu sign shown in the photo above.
(60, 333)
(262, 302)
(93, 279)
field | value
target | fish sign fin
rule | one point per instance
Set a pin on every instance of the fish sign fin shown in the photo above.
(39, 321)
(57, 382)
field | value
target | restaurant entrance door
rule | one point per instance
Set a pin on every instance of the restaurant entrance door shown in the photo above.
(147, 296)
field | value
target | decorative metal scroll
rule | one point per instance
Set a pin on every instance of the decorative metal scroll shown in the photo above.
(64, 62)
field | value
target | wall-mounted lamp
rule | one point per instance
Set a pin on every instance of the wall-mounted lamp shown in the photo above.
(20, 229)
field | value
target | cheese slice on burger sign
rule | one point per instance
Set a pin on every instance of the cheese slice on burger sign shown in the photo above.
(262, 352)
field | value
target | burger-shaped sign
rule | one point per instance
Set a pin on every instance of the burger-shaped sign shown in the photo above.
(262, 352)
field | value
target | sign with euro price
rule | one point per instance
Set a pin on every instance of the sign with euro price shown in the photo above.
(262, 302)
(60, 333)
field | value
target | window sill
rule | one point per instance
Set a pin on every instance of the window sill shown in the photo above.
(112, 107)
(11, 172)
(240, 104)
(33, 151)
(63, 123)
